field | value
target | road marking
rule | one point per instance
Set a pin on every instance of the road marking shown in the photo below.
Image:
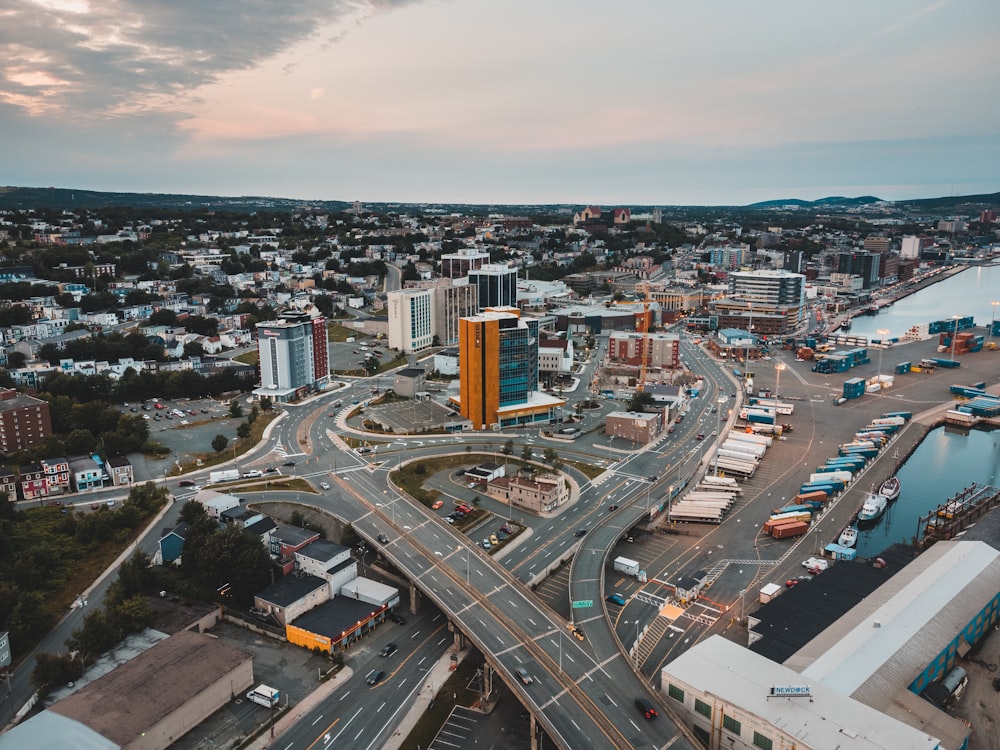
(316, 720)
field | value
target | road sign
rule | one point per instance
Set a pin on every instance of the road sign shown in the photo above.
(583, 604)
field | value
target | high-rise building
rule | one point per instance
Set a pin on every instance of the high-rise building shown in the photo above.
(461, 264)
(498, 371)
(293, 356)
(864, 265)
(496, 284)
(452, 299)
(24, 421)
(411, 319)
(763, 302)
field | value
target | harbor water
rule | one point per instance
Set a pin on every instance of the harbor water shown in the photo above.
(967, 293)
(946, 462)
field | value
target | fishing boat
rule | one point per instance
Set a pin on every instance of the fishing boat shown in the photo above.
(848, 537)
(889, 489)
(873, 507)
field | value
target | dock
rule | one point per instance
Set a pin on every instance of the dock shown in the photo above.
(956, 514)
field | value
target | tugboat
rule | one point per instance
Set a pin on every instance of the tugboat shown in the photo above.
(873, 507)
(889, 489)
(848, 536)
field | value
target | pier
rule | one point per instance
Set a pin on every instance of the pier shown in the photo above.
(956, 514)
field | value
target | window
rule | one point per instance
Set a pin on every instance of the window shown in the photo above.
(675, 692)
(731, 724)
(703, 708)
(759, 740)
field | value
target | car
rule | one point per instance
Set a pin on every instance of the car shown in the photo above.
(486, 544)
(612, 507)
(364, 449)
(170, 416)
(192, 412)
(670, 430)
(145, 407)
(132, 410)
(185, 483)
(797, 580)
(523, 675)
(449, 519)
(376, 677)
(397, 619)
(325, 485)
(388, 649)
(646, 708)
(289, 463)
(494, 540)
(111, 503)
(95, 506)
(577, 632)
(700, 436)
(580, 532)
(383, 539)
(437, 504)
(253, 474)
(204, 411)
(616, 598)
(270, 470)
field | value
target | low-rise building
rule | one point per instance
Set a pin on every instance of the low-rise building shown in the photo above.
(85, 473)
(540, 494)
(56, 475)
(637, 427)
(119, 469)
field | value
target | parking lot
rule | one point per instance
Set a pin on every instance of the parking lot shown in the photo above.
(184, 434)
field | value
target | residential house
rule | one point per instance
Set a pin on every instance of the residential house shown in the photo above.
(120, 470)
(85, 473)
(216, 502)
(289, 597)
(284, 541)
(56, 475)
(8, 484)
(31, 480)
(172, 543)
(327, 560)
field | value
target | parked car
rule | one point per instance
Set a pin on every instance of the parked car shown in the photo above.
(289, 463)
(437, 504)
(393, 617)
(325, 485)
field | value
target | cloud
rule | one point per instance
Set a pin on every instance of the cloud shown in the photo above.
(103, 58)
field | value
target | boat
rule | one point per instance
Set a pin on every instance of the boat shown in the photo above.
(848, 536)
(873, 507)
(889, 489)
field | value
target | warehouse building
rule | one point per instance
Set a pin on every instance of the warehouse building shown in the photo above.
(891, 646)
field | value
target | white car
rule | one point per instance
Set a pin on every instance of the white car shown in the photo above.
(324, 485)
(816, 564)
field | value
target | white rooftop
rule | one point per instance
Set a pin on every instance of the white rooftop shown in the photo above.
(827, 719)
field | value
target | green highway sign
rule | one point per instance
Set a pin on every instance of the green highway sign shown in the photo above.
(583, 604)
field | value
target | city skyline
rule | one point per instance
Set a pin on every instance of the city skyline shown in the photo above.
(468, 102)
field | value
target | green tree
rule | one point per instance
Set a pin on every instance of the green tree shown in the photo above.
(550, 456)
(254, 413)
(243, 430)
(135, 578)
(508, 447)
(53, 671)
(640, 400)
(526, 452)
(219, 443)
(235, 410)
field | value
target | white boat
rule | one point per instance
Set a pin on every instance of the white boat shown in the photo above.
(889, 489)
(848, 537)
(873, 507)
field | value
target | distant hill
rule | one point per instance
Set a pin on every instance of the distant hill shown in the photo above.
(831, 202)
(68, 199)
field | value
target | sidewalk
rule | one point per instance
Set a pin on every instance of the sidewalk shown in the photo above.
(435, 677)
(300, 709)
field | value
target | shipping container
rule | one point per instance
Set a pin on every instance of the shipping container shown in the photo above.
(788, 530)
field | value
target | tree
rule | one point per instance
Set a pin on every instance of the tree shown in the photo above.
(640, 400)
(219, 443)
(254, 413)
(135, 578)
(194, 349)
(243, 430)
(550, 456)
(51, 671)
(235, 410)
(526, 452)
(508, 447)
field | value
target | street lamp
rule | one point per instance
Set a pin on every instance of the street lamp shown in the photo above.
(777, 378)
(882, 332)
(993, 320)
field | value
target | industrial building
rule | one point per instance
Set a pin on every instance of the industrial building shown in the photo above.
(147, 703)
(857, 643)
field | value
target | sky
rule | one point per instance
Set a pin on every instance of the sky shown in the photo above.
(638, 102)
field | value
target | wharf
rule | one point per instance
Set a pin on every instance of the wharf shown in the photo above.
(957, 513)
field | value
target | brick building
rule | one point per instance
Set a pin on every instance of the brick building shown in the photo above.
(24, 421)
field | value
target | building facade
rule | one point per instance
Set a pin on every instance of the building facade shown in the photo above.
(411, 319)
(763, 302)
(293, 356)
(627, 348)
(24, 421)
(461, 264)
(496, 285)
(498, 371)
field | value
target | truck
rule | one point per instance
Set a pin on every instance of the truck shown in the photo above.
(626, 566)
(264, 695)
(223, 475)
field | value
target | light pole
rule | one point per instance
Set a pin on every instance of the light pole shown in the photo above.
(777, 378)
(882, 332)
(993, 320)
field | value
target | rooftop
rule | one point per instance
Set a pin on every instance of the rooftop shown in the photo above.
(290, 589)
(335, 617)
